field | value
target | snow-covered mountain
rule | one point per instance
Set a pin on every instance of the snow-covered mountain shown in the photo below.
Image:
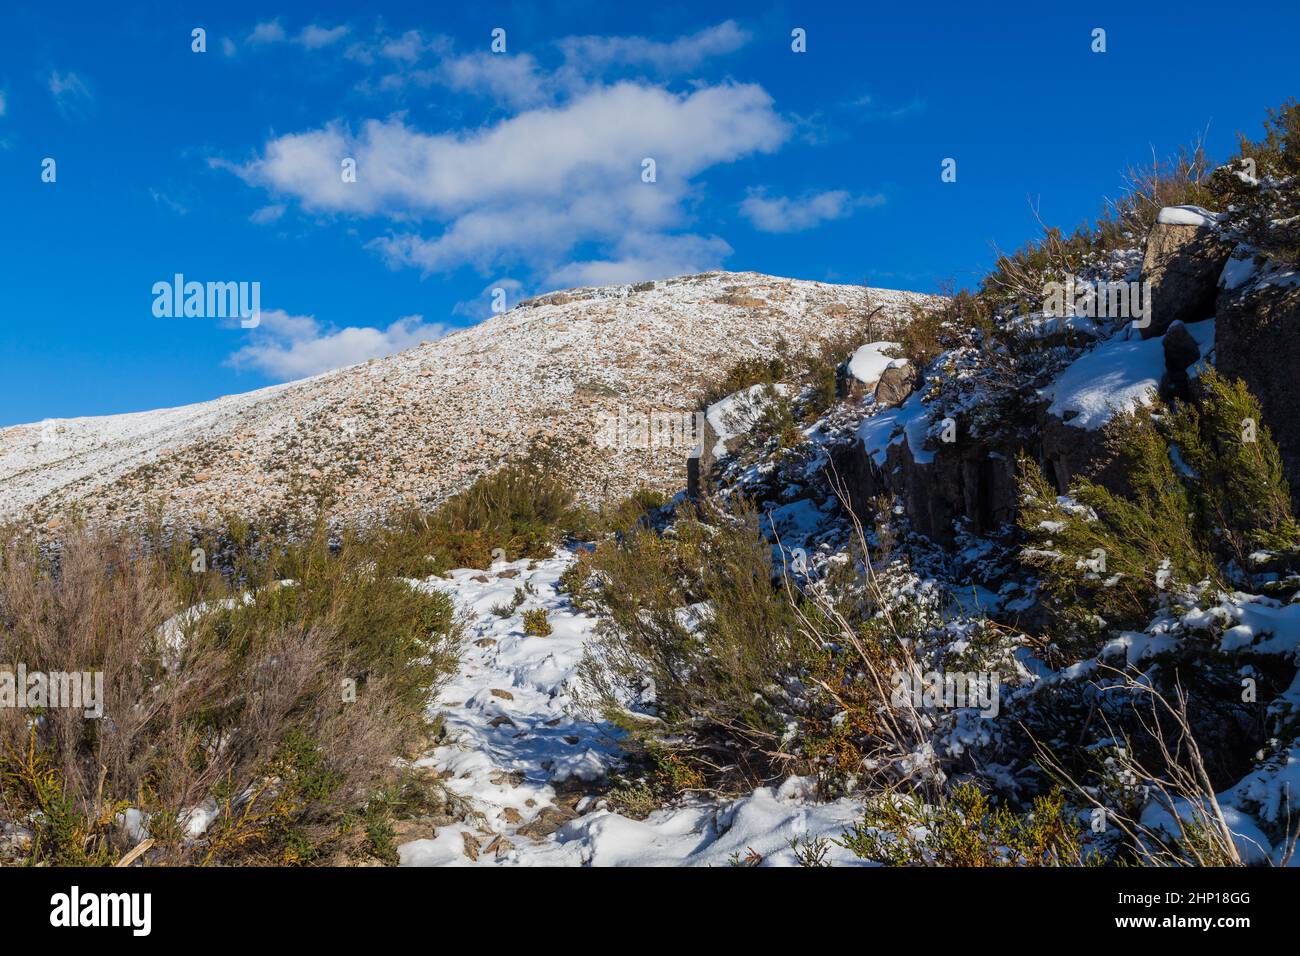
(417, 426)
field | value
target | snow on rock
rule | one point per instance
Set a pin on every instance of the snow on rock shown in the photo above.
(1117, 375)
(739, 412)
(1264, 625)
(1238, 269)
(516, 741)
(1187, 216)
(869, 362)
(911, 420)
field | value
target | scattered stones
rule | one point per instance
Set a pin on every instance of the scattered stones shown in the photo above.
(546, 822)
(511, 778)
(471, 845)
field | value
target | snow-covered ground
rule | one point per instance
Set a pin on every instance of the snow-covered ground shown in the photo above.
(521, 754)
(415, 427)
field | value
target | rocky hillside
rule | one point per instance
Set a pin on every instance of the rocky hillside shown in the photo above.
(417, 426)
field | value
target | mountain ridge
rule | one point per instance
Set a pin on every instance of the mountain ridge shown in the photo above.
(414, 427)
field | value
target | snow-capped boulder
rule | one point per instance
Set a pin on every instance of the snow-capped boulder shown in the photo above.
(869, 362)
(1184, 255)
(876, 369)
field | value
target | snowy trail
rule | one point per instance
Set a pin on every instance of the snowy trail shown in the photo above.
(529, 768)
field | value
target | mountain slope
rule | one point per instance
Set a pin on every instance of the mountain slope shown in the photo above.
(417, 426)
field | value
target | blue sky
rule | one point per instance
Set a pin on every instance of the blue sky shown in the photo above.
(523, 170)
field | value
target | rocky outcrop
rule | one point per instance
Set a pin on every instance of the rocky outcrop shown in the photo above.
(975, 481)
(1181, 353)
(1257, 340)
(699, 466)
(896, 384)
(1183, 259)
(1067, 454)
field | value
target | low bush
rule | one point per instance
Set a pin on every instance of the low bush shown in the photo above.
(269, 712)
(1204, 491)
(536, 623)
(522, 510)
(965, 829)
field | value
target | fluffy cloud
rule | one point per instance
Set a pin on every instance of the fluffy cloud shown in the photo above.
(518, 81)
(783, 214)
(515, 81)
(532, 187)
(288, 346)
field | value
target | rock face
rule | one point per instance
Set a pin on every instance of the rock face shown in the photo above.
(701, 461)
(1067, 453)
(1257, 339)
(896, 384)
(1182, 262)
(1181, 352)
(972, 482)
(976, 481)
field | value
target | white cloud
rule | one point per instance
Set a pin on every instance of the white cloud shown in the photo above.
(532, 187)
(289, 347)
(407, 48)
(313, 37)
(70, 93)
(512, 80)
(269, 32)
(267, 214)
(783, 214)
(595, 53)
(864, 107)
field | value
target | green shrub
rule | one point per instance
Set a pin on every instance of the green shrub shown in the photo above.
(718, 683)
(1200, 494)
(618, 517)
(522, 509)
(964, 829)
(536, 623)
(745, 373)
(505, 610)
(1265, 213)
